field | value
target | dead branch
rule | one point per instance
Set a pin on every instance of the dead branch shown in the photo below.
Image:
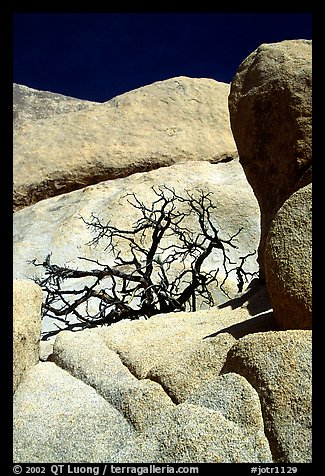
(144, 282)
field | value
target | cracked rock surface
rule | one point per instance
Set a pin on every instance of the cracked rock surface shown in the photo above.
(202, 387)
(120, 394)
(86, 356)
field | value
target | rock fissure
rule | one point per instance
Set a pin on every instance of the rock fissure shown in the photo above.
(94, 385)
(139, 401)
(260, 393)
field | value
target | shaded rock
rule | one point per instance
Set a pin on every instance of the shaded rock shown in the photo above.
(27, 303)
(255, 298)
(46, 349)
(59, 419)
(288, 261)
(278, 366)
(86, 356)
(54, 225)
(270, 106)
(167, 122)
(194, 434)
(33, 105)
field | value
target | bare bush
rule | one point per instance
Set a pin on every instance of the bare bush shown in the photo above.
(162, 271)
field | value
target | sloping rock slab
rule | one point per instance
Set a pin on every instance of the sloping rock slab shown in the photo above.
(182, 351)
(30, 105)
(180, 119)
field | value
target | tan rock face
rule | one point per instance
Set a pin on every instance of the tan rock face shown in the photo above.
(234, 397)
(288, 261)
(27, 303)
(194, 434)
(270, 106)
(86, 356)
(181, 351)
(77, 143)
(278, 365)
(221, 421)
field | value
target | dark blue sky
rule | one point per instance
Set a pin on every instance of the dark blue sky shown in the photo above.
(97, 56)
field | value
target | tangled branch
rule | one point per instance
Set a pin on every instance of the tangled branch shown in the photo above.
(162, 271)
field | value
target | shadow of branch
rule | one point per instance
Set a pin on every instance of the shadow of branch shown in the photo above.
(260, 323)
(256, 299)
(257, 302)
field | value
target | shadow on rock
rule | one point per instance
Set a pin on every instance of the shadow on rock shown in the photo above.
(261, 323)
(257, 302)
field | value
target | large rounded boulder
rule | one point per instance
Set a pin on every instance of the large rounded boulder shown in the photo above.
(270, 105)
(288, 261)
